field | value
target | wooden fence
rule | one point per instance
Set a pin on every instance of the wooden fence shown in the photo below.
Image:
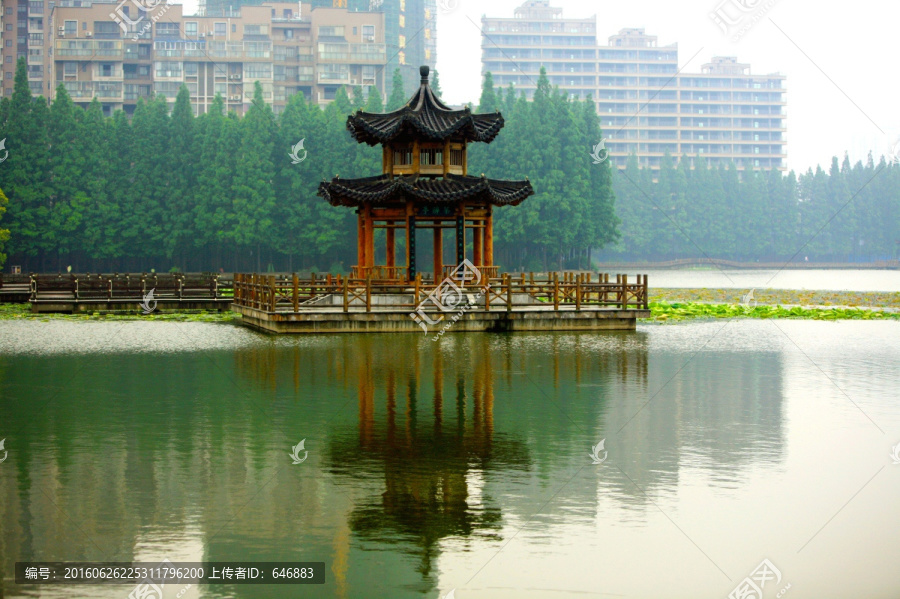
(291, 293)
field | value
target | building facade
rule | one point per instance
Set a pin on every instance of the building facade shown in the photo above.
(111, 51)
(724, 113)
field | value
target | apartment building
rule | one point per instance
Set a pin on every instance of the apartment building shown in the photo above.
(410, 30)
(118, 54)
(724, 113)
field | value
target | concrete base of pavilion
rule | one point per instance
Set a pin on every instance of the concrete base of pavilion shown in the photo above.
(520, 318)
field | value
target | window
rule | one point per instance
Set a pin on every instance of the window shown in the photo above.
(354, 31)
(256, 30)
(190, 29)
(106, 70)
(288, 34)
(9, 43)
(170, 29)
(233, 28)
(431, 157)
(168, 69)
(403, 156)
(221, 70)
(219, 28)
(84, 25)
(190, 69)
(456, 157)
(106, 28)
(368, 33)
(9, 26)
(71, 27)
(336, 31)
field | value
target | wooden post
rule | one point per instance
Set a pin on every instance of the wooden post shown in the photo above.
(556, 291)
(578, 293)
(489, 240)
(417, 289)
(347, 294)
(487, 295)
(369, 293)
(271, 293)
(438, 252)
(360, 238)
(391, 246)
(460, 237)
(624, 292)
(477, 248)
(508, 281)
(370, 237)
(296, 295)
(646, 294)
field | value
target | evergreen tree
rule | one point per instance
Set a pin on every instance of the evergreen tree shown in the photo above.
(398, 97)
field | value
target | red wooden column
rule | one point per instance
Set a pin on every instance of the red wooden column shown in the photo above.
(438, 252)
(489, 240)
(477, 245)
(391, 246)
(370, 237)
(360, 238)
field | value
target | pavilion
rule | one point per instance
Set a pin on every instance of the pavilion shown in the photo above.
(424, 185)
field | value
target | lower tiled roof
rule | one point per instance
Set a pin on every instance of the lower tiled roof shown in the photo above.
(384, 189)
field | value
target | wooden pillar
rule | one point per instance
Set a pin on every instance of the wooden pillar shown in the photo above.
(360, 238)
(438, 252)
(370, 237)
(489, 240)
(391, 245)
(477, 246)
(411, 247)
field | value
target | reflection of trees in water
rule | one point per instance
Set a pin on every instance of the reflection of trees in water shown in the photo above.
(444, 430)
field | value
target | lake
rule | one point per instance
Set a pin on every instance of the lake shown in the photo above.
(832, 280)
(466, 465)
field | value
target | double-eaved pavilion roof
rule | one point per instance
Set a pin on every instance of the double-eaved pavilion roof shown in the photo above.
(385, 189)
(424, 117)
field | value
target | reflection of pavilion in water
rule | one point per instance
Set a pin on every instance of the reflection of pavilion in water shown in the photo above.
(432, 448)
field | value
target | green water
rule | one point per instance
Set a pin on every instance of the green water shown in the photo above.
(463, 464)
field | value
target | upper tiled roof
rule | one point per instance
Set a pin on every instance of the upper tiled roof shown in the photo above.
(426, 118)
(450, 189)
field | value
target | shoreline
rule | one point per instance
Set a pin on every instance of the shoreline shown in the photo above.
(666, 305)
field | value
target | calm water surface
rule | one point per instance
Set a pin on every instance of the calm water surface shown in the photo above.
(832, 280)
(459, 465)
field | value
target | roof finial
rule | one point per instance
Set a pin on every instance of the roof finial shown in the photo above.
(423, 71)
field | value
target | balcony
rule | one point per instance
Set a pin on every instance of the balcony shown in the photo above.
(87, 90)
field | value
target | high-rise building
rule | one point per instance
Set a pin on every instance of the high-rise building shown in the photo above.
(724, 113)
(410, 30)
(98, 49)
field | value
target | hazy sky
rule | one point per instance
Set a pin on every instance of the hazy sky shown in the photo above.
(840, 59)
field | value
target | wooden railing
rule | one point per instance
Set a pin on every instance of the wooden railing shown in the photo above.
(90, 287)
(557, 291)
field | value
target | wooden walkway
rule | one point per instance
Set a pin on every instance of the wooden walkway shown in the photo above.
(558, 301)
(689, 262)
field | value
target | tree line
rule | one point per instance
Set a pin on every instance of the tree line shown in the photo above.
(164, 189)
(849, 213)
